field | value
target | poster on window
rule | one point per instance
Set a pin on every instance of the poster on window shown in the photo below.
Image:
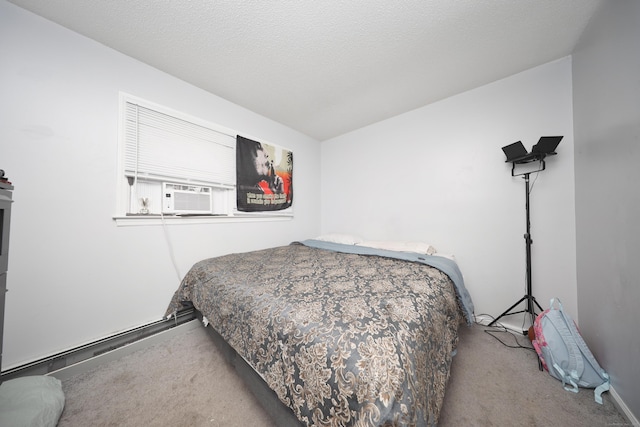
(264, 176)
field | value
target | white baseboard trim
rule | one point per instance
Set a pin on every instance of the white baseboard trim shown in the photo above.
(622, 407)
(87, 364)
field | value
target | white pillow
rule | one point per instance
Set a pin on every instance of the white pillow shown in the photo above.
(419, 247)
(346, 239)
(448, 256)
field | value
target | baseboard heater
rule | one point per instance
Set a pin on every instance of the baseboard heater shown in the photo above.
(70, 357)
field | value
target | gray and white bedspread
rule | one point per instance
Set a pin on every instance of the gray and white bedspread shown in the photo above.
(343, 339)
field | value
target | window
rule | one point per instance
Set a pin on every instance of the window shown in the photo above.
(172, 164)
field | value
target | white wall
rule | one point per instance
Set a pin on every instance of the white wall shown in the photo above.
(74, 276)
(438, 174)
(607, 129)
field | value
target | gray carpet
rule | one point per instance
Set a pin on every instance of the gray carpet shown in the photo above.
(184, 381)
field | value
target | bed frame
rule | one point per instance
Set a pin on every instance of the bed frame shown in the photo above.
(278, 411)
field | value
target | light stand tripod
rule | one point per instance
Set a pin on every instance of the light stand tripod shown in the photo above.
(528, 297)
(516, 155)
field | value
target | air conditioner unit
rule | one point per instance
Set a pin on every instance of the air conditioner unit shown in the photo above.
(186, 199)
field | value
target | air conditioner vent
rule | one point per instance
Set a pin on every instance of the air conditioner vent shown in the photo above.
(186, 199)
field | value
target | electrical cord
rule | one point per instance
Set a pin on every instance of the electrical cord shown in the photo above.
(535, 178)
(500, 328)
(170, 246)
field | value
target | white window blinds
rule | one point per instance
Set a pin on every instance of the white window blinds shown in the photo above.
(160, 146)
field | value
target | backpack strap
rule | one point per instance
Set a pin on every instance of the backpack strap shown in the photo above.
(566, 378)
(566, 327)
(597, 393)
(572, 373)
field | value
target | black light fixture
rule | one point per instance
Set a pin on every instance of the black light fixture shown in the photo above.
(517, 155)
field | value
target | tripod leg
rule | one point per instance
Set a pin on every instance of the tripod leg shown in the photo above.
(508, 310)
(536, 302)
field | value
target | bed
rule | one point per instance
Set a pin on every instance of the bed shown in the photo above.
(343, 334)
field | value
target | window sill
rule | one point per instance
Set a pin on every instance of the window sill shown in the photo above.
(154, 219)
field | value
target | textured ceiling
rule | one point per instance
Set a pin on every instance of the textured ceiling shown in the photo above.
(328, 67)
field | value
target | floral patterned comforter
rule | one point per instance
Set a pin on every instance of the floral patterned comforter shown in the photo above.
(343, 339)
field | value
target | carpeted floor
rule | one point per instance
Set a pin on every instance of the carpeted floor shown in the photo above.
(185, 381)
